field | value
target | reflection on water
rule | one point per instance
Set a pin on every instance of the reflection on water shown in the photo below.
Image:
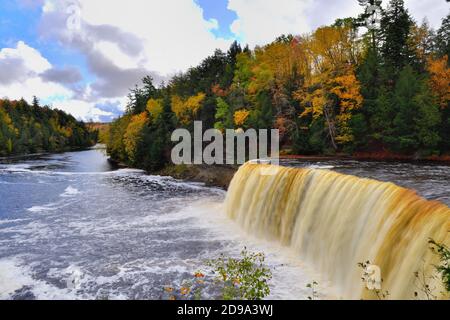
(72, 227)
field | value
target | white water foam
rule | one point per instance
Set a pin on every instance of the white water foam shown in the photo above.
(53, 206)
(290, 274)
(318, 166)
(14, 275)
(70, 192)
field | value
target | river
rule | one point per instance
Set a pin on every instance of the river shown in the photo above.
(73, 227)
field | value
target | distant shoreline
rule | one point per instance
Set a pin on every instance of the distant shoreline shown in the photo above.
(221, 175)
(371, 157)
(44, 153)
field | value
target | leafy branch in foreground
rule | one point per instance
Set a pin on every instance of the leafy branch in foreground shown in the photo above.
(444, 268)
(314, 294)
(243, 278)
(422, 283)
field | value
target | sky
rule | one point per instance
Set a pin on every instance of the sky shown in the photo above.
(83, 56)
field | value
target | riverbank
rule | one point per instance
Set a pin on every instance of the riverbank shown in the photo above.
(371, 156)
(221, 175)
(214, 176)
(40, 153)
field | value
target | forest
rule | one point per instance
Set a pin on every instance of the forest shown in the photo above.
(342, 89)
(26, 129)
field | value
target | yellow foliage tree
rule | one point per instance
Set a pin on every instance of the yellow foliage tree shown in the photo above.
(178, 106)
(330, 53)
(133, 135)
(440, 80)
(194, 103)
(319, 101)
(6, 119)
(241, 116)
(155, 107)
(347, 88)
(186, 110)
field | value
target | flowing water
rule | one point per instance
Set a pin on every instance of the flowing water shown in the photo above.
(72, 227)
(335, 221)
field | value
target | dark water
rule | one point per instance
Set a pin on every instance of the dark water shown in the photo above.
(430, 180)
(72, 227)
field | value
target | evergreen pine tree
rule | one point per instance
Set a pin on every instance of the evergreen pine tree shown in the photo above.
(443, 38)
(395, 29)
(416, 116)
(157, 140)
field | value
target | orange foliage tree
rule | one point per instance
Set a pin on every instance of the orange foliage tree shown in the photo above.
(440, 80)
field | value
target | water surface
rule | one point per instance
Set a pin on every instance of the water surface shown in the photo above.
(73, 227)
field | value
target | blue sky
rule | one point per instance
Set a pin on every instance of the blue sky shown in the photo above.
(218, 10)
(88, 69)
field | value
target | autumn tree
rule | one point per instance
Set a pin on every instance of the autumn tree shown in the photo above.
(134, 136)
(186, 109)
(155, 108)
(29, 128)
(240, 117)
(157, 136)
(440, 80)
(336, 89)
(440, 85)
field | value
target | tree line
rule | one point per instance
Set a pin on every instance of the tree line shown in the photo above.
(343, 88)
(29, 128)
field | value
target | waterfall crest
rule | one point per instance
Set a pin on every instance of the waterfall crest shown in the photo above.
(335, 221)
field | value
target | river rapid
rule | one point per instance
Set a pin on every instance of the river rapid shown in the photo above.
(73, 227)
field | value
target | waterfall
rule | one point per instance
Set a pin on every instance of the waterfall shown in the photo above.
(335, 221)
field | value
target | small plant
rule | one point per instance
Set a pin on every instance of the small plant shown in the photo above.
(422, 284)
(314, 295)
(444, 268)
(242, 279)
(188, 290)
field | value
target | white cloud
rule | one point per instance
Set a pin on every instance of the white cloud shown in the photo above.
(260, 22)
(122, 43)
(27, 82)
(173, 33)
(32, 60)
(82, 109)
(433, 10)
(34, 86)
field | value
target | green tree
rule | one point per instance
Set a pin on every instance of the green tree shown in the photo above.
(157, 141)
(31, 128)
(394, 32)
(443, 38)
(261, 116)
(369, 78)
(415, 125)
(224, 115)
